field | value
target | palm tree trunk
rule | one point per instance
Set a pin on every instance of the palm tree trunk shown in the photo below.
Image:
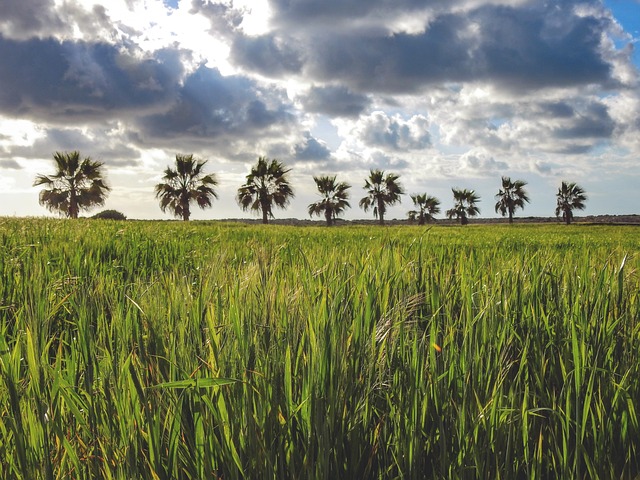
(73, 204)
(328, 216)
(381, 211)
(510, 216)
(184, 203)
(264, 205)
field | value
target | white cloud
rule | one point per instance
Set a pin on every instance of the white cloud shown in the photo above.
(390, 133)
(479, 163)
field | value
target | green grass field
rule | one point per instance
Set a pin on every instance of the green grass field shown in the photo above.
(166, 350)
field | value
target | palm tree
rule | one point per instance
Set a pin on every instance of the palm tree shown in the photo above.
(381, 191)
(334, 198)
(511, 196)
(267, 184)
(464, 206)
(76, 185)
(427, 206)
(569, 197)
(186, 184)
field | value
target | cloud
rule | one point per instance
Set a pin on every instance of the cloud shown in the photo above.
(624, 109)
(294, 11)
(224, 18)
(273, 56)
(22, 19)
(522, 47)
(9, 164)
(108, 145)
(592, 122)
(393, 133)
(550, 47)
(80, 82)
(378, 159)
(66, 83)
(334, 14)
(556, 109)
(95, 24)
(334, 101)
(350, 158)
(311, 149)
(479, 163)
(518, 126)
(210, 105)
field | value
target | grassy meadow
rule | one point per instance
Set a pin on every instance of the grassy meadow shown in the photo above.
(168, 350)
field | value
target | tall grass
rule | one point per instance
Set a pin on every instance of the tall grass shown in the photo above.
(207, 350)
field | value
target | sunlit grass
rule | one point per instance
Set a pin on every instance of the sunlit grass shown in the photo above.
(205, 350)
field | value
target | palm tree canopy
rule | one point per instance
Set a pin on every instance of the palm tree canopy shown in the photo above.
(511, 196)
(427, 206)
(464, 204)
(381, 191)
(569, 197)
(76, 185)
(334, 197)
(267, 184)
(185, 184)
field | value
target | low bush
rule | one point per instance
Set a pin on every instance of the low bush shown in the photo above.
(110, 215)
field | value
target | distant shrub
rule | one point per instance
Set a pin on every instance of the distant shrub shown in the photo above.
(110, 215)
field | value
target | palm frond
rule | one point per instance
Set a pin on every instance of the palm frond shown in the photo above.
(381, 191)
(266, 184)
(464, 205)
(75, 185)
(510, 197)
(185, 184)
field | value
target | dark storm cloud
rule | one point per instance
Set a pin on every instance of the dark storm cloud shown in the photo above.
(594, 122)
(311, 149)
(335, 101)
(294, 10)
(517, 48)
(267, 55)
(533, 48)
(310, 12)
(556, 109)
(573, 126)
(392, 64)
(77, 81)
(26, 18)
(210, 105)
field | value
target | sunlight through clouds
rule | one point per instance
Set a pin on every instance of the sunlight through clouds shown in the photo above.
(19, 132)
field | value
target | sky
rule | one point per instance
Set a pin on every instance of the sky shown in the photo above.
(443, 93)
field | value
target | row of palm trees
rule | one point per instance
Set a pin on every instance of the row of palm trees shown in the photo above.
(78, 184)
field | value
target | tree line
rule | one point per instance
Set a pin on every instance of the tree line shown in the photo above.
(79, 184)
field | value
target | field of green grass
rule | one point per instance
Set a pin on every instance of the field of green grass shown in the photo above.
(168, 350)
